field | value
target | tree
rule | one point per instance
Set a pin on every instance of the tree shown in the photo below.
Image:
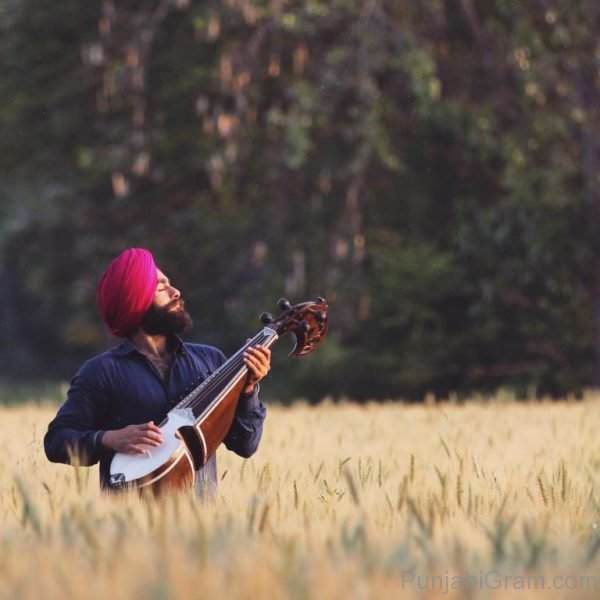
(430, 169)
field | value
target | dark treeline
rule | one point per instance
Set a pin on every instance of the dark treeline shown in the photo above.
(431, 168)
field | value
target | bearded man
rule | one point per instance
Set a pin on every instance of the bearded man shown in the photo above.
(116, 398)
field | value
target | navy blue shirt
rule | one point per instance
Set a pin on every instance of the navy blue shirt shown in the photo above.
(122, 387)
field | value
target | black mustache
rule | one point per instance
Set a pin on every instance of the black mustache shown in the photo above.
(174, 303)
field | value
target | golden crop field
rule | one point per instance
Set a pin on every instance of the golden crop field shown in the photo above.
(480, 500)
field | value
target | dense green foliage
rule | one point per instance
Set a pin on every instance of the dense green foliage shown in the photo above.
(432, 169)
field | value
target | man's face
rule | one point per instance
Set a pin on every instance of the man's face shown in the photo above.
(167, 314)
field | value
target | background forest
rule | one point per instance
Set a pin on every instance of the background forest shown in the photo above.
(432, 168)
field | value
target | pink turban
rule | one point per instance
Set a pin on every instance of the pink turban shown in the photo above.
(126, 290)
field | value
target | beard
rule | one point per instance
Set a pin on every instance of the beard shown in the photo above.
(163, 320)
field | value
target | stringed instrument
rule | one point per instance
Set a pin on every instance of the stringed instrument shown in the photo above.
(194, 429)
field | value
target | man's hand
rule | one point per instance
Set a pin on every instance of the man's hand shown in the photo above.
(131, 439)
(258, 361)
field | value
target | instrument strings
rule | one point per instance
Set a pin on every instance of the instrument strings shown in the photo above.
(210, 386)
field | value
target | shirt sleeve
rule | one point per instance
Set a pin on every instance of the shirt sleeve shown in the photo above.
(247, 427)
(74, 436)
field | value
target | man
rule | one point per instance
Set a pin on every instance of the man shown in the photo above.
(117, 398)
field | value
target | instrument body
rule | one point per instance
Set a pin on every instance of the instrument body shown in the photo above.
(196, 427)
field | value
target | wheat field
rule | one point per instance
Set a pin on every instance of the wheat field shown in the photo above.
(477, 500)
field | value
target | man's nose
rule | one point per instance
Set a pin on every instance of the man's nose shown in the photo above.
(175, 293)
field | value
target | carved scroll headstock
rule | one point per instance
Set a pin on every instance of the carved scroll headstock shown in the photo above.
(308, 321)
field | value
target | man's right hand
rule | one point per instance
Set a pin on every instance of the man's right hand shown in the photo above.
(133, 438)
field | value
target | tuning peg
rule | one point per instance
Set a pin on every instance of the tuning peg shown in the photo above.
(320, 300)
(266, 318)
(320, 315)
(284, 304)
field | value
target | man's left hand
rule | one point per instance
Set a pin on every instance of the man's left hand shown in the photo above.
(258, 361)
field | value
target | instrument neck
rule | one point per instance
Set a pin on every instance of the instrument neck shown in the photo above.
(227, 375)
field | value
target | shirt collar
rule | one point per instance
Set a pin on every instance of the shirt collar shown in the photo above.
(127, 347)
